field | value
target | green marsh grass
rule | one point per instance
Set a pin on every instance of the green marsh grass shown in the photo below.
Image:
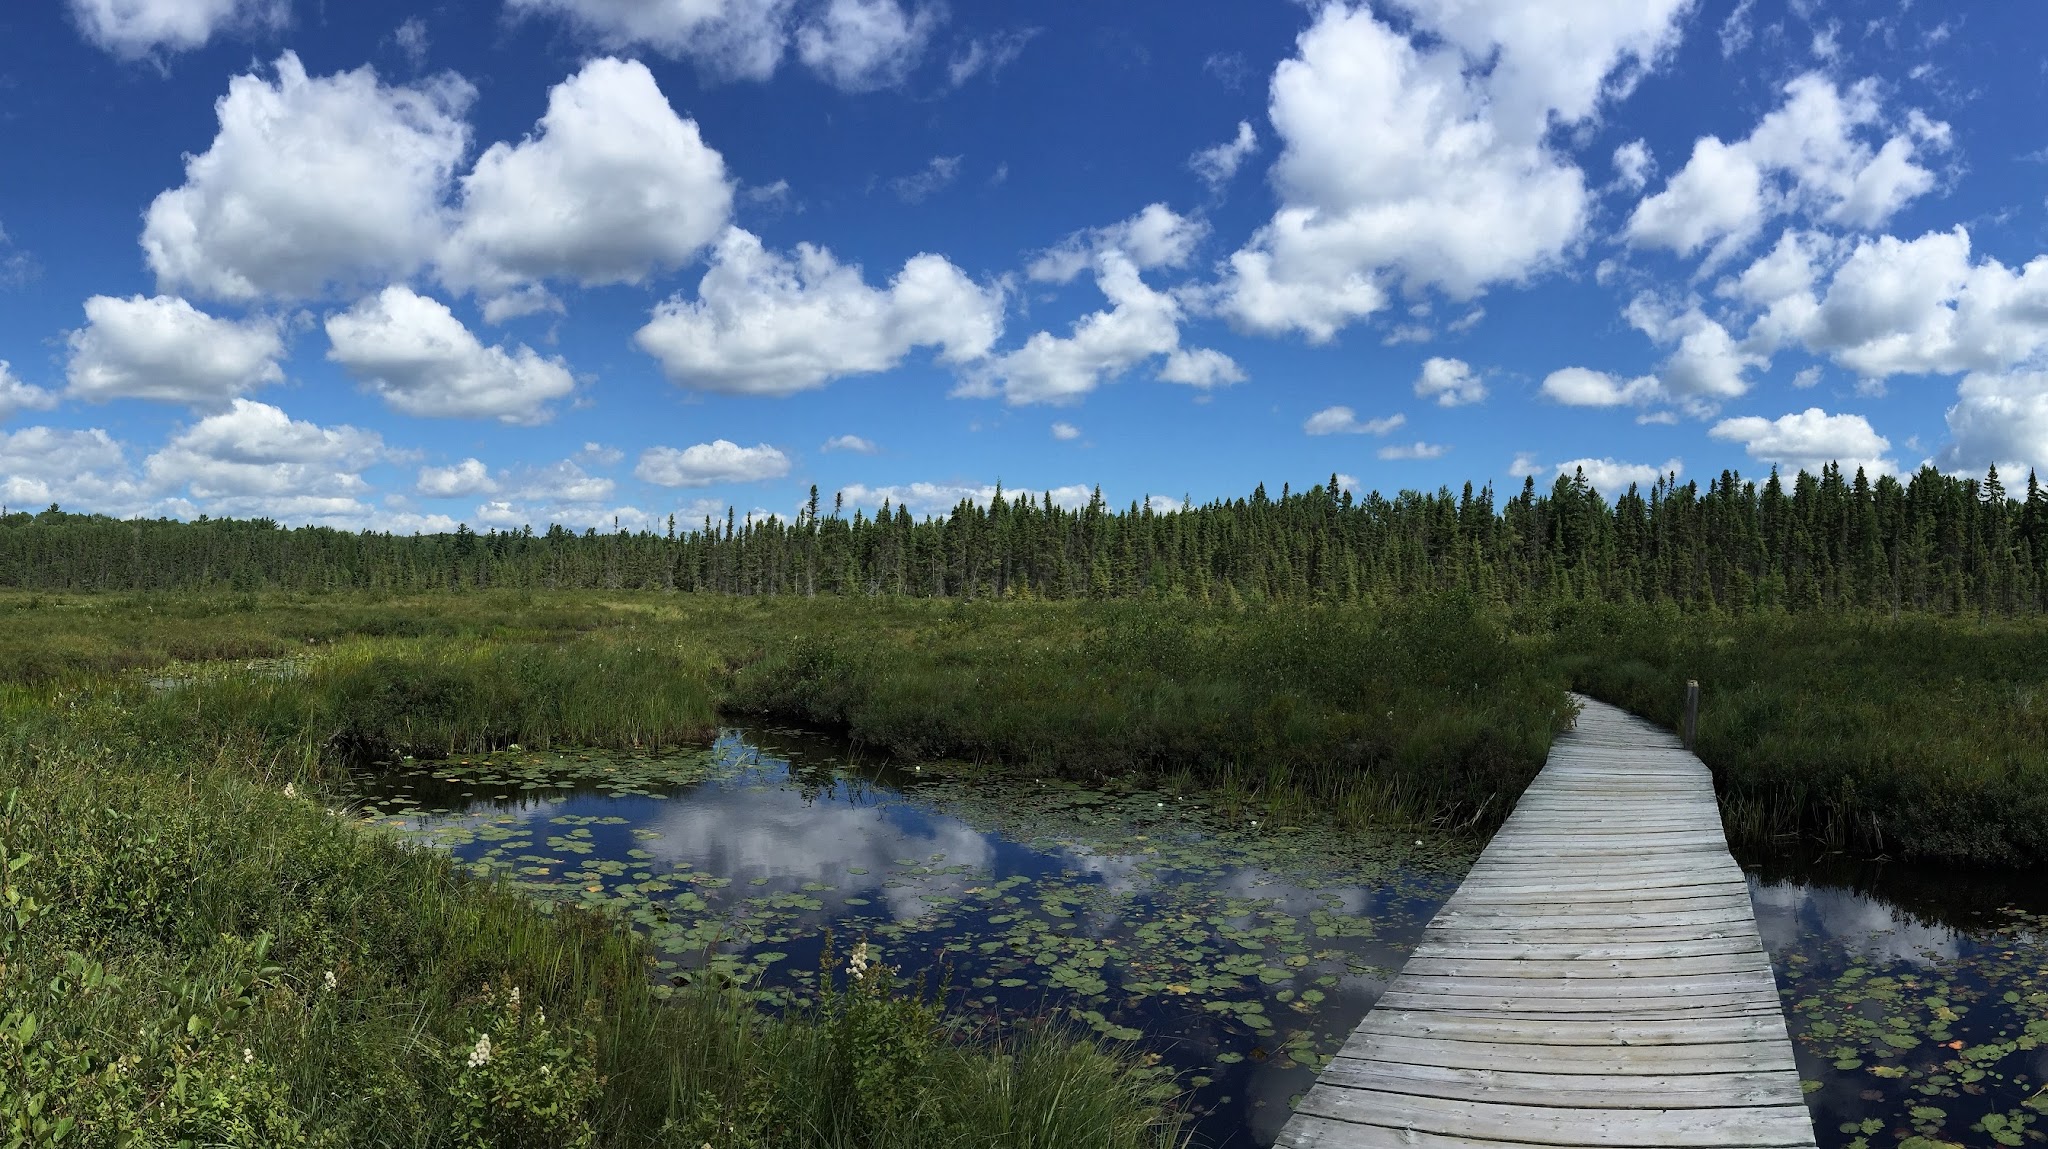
(1424, 712)
(171, 891)
(176, 917)
(1920, 737)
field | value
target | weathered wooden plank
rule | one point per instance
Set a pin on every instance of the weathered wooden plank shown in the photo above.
(1582, 970)
(1652, 902)
(1597, 980)
(1612, 1032)
(1692, 861)
(1607, 1059)
(1746, 1125)
(1627, 1088)
(1605, 949)
(1528, 1005)
(1588, 919)
(1649, 986)
(1528, 885)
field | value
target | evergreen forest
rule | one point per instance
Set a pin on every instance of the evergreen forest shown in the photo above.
(1932, 542)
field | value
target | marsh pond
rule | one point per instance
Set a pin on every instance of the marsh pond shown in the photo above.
(1233, 956)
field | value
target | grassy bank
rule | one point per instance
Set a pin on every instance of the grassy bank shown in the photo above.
(1422, 712)
(194, 955)
(1922, 737)
(172, 888)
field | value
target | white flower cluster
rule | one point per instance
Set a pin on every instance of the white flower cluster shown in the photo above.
(481, 1055)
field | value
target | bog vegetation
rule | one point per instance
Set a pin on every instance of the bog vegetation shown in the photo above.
(193, 950)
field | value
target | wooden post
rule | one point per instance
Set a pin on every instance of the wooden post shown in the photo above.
(1692, 713)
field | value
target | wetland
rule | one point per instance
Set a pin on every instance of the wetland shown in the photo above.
(1117, 874)
(1234, 957)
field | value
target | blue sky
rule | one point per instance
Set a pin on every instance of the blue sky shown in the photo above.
(501, 262)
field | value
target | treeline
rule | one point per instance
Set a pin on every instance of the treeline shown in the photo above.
(1826, 541)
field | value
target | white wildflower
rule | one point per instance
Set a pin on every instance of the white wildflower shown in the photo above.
(857, 965)
(248, 1056)
(289, 792)
(329, 980)
(515, 999)
(481, 1055)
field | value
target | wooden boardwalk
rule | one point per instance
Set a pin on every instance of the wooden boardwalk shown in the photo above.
(1597, 980)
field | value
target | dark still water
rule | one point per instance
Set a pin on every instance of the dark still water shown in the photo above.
(1240, 956)
(1917, 999)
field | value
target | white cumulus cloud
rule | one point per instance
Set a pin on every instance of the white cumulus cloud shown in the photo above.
(1342, 420)
(1415, 450)
(719, 461)
(412, 351)
(312, 183)
(1914, 306)
(1806, 440)
(132, 29)
(861, 45)
(1809, 156)
(1140, 324)
(557, 483)
(17, 396)
(1218, 165)
(854, 443)
(938, 498)
(1548, 64)
(1451, 382)
(1065, 432)
(1999, 418)
(769, 324)
(1612, 477)
(1633, 165)
(728, 39)
(1585, 387)
(253, 459)
(1200, 367)
(81, 470)
(612, 187)
(1156, 237)
(163, 348)
(469, 477)
(1707, 365)
(1396, 171)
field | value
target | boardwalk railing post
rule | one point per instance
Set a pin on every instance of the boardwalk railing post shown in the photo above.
(1692, 713)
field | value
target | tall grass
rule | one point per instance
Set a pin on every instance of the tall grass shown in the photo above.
(1919, 737)
(1922, 737)
(1424, 711)
(176, 919)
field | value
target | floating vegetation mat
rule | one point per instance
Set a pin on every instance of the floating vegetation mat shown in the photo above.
(1911, 1030)
(1239, 957)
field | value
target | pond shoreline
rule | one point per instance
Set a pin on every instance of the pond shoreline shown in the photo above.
(1096, 907)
